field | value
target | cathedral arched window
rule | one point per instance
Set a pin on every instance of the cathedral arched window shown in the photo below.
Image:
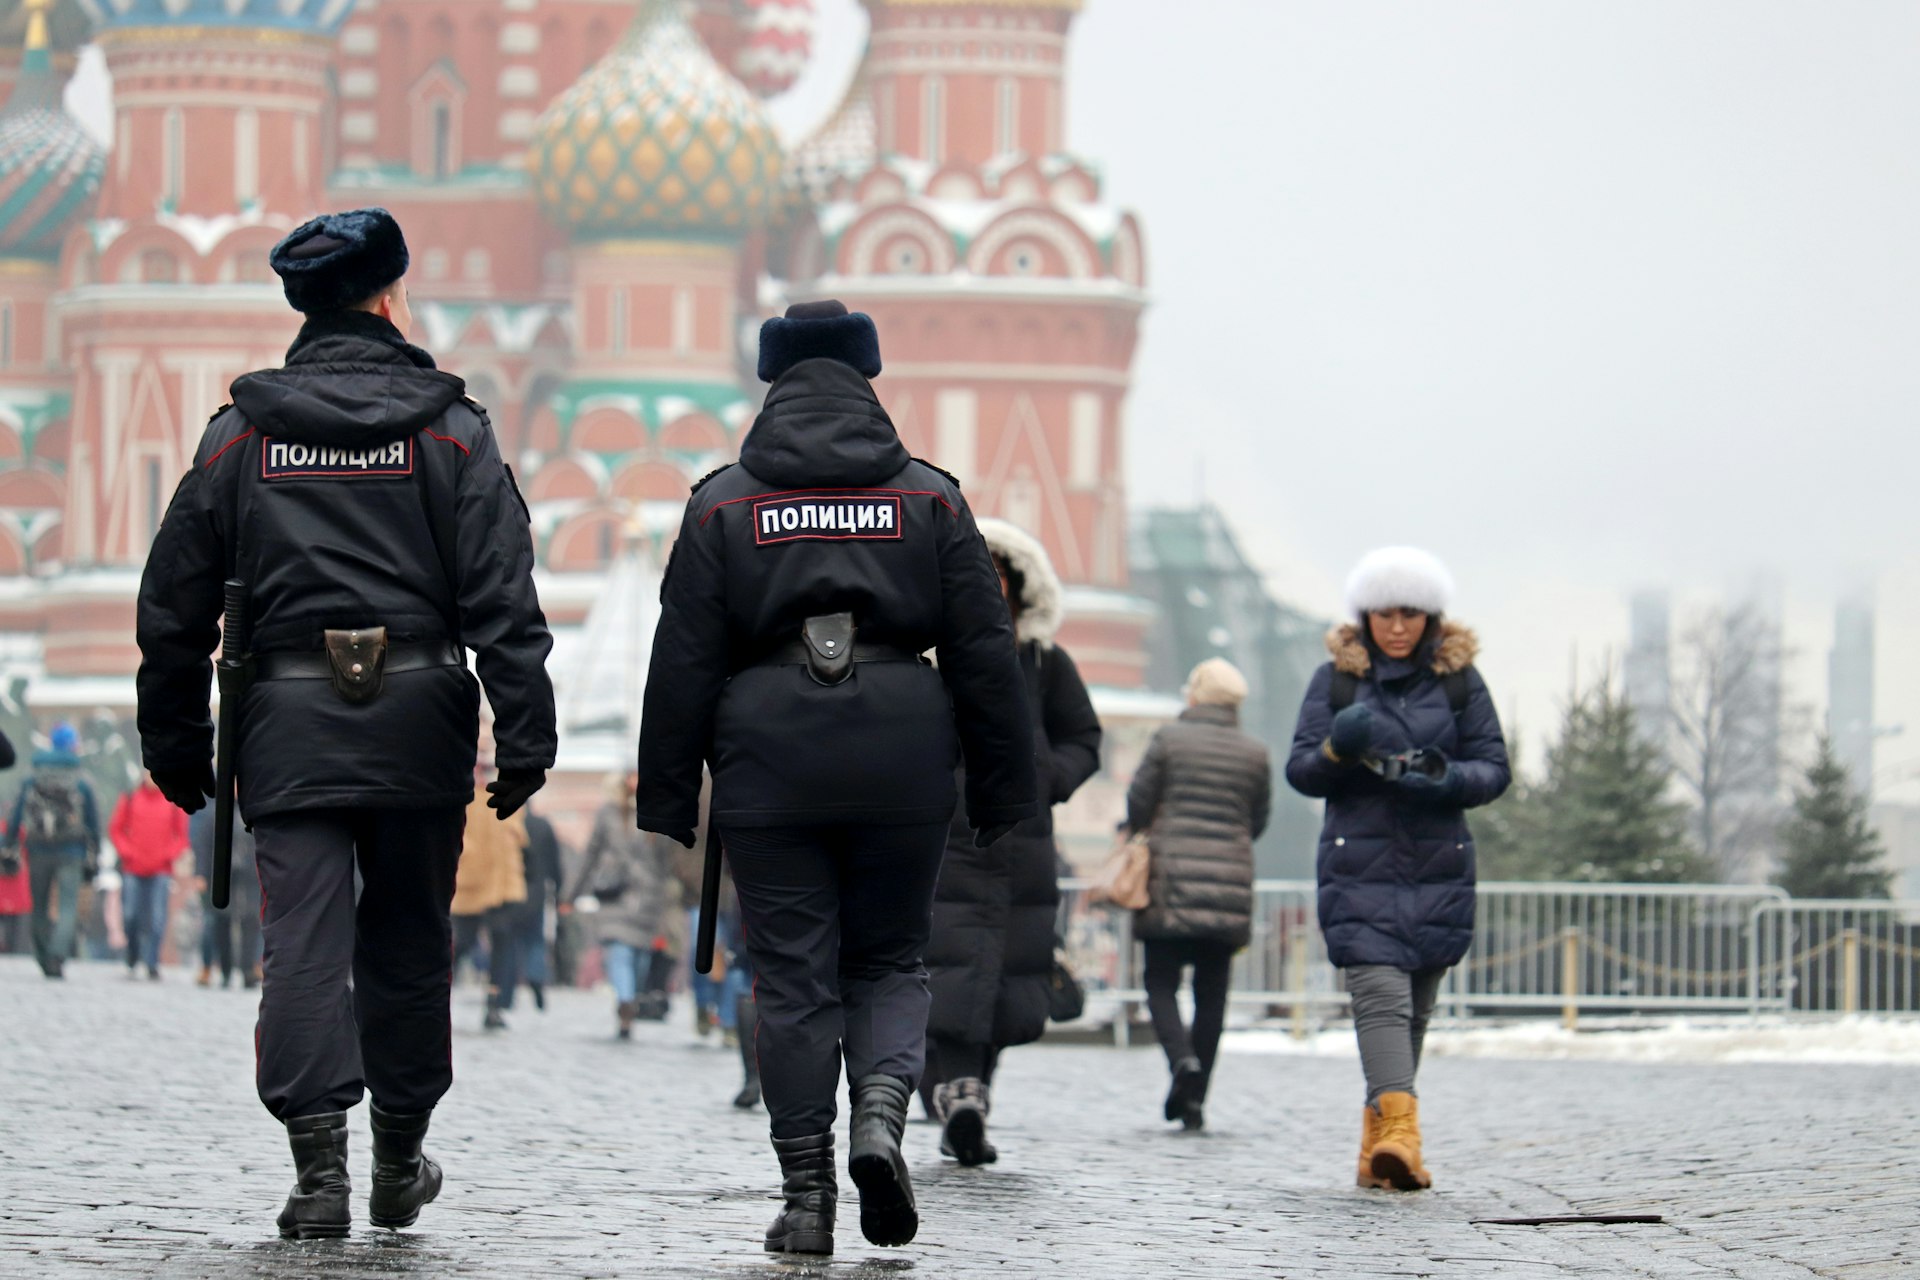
(173, 155)
(246, 156)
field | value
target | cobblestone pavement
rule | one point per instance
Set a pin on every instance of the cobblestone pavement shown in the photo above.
(131, 1145)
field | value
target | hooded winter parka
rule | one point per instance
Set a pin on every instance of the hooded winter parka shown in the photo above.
(826, 513)
(354, 487)
(990, 958)
(1396, 870)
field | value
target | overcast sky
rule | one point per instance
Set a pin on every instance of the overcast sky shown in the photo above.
(1583, 297)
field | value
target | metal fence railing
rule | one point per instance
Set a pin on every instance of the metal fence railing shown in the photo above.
(1826, 956)
(1566, 948)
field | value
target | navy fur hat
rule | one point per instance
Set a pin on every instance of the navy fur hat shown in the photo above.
(340, 260)
(819, 330)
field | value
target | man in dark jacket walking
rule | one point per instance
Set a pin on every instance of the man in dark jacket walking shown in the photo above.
(363, 502)
(56, 824)
(806, 585)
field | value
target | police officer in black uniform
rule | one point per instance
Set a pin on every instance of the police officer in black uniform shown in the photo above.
(363, 502)
(806, 586)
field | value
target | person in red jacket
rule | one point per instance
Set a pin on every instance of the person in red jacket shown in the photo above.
(149, 834)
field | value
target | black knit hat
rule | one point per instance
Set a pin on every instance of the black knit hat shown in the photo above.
(340, 260)
(819, 330)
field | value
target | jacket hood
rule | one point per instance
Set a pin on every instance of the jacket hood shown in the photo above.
(55, 760)
(1042, 603)
(1455, 650)
(350, 381)
(823, 426)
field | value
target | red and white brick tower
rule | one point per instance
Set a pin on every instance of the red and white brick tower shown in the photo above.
(1007, 294)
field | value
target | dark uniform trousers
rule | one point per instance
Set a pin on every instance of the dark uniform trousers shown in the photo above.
(355, 997)
(836, 920)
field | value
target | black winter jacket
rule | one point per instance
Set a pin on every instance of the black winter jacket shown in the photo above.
(1203, 793)
(355, 487)
(990, 958)
(1396, 871)
(827, 513)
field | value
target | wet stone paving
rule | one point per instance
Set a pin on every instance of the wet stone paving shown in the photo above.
(131, 1145)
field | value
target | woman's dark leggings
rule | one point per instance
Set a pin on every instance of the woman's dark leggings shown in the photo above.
(1212, 964)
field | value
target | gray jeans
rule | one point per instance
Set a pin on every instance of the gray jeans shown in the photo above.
(1390, 1011)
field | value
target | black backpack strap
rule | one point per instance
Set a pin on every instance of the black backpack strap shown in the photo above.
(1342, 690)
(1458, 690)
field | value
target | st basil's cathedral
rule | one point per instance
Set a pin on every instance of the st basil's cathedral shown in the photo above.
(601, 213)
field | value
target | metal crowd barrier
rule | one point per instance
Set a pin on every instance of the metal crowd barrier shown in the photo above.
(1618, 949)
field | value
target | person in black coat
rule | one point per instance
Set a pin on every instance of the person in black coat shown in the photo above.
(362, 500)
(1399, 735)
(990, 960)
(806, 586)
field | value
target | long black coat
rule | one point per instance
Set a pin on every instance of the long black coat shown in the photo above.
(355, 487)
(991, 955)
(1396, 870)
(826, 513)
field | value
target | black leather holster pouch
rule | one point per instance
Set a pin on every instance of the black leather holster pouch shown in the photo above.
(829, 644)
(358, 661)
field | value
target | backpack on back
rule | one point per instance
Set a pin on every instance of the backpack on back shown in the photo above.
(1345, 686)
(55, 812)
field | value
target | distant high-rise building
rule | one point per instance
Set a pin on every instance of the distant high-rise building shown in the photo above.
(1850, 686)
(1650, 663)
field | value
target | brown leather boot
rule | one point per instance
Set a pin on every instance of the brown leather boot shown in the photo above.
(1369, 1135)
(1396, 1143)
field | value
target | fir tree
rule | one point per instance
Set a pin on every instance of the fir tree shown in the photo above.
(1829, 848)
(1604, 808)
(1509, 835)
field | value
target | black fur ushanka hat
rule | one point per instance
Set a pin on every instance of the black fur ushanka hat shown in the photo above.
(819, 330)
(339, 260)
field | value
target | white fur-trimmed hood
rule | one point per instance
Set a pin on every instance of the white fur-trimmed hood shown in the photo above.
(1042, 604)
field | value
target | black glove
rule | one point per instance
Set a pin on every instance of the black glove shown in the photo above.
(987, 836)
(1433, 779)
(1352, 732)
(512, 789)
(187, 786)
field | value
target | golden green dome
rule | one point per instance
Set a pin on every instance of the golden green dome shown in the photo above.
(657, 140)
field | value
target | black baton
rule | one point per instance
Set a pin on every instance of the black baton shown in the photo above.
(232, 674)
(709, 901)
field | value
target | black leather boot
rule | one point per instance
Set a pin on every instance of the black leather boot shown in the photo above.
(317, 1209)
(874, 1162)
(746, 1021)
(812, 1190)
(403, 1179)
(965, 1105)
(1188, 1087)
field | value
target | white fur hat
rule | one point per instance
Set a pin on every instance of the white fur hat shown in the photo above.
(1399, 578)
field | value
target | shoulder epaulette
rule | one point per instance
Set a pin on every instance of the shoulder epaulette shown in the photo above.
(706, 479)
(942, 470)
(215, 415)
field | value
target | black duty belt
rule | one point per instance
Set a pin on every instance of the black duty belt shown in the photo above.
(312, 664)
(794, 654)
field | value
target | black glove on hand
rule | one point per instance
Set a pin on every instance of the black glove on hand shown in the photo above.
(987, 836)
(512, 789)
(1352, 732)
(1435, 781)
(186, 787)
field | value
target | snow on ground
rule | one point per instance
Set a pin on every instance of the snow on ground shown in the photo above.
(1680, 1040)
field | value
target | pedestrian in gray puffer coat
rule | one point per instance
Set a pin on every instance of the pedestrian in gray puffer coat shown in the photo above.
(630, 873)
(1399, 734)
(1203, 794)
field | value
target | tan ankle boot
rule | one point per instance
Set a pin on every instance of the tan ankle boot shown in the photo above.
(1396, 1143)
(1369, 1135)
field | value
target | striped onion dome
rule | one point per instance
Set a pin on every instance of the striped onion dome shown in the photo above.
(50, 167)
(319, 17)
(656, 139)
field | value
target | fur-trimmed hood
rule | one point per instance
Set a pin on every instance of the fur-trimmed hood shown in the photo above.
(1042, 604)
(1456, 650)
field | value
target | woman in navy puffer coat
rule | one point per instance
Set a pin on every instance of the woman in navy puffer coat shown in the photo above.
(1399, 735)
